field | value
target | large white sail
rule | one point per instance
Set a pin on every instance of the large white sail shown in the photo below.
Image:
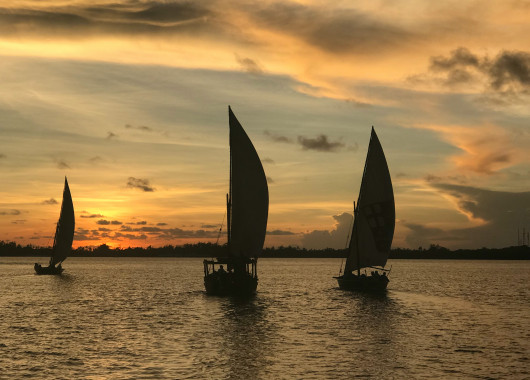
(64, 233)
(375, 219)
(249, 194)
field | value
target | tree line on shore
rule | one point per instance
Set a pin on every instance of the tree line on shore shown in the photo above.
(206, 250)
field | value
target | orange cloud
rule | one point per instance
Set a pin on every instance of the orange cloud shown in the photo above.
(487, 149)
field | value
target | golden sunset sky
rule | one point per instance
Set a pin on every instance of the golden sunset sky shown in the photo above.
(129, 100)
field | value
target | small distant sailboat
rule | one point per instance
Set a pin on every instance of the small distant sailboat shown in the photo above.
(247, 212)
(373, 227)
(64, 236)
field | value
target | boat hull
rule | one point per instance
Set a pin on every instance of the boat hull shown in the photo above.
(230, 284)
(51, 270)
(371, 284)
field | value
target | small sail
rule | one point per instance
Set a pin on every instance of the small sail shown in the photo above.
(249, 194)
(375, 219)
(64, 233)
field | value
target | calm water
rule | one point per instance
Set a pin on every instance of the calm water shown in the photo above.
(150, 319)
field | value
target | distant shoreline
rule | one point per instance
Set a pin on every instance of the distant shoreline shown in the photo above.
(207, 250)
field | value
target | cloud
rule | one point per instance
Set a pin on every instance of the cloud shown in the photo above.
(50, 201)
(77, 20)
(209, 226)
(278, 138)
(280, 233)
(507, 73)
(269, 179)
(2, 155)
(111, 135)
(336, 238)
(138, 183)
(10, 212)
(161, 224)
(140, 128)
(61, 164)
(95, 160)
(484, 149)
(495, 217)
(319, 143)
(249, 65)
(268, 161)
(335, 30)
(104, 222)
(90, 215)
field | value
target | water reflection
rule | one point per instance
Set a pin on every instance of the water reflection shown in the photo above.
(373, 318)
(246, 332)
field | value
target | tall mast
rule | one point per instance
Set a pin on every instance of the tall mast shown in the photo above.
(229, 195)
(357, 240)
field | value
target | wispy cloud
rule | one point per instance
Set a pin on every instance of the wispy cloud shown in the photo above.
(280, 233)
(138, 183)
(90, 216)
(61, 164)
(50, 201)
(278, 138)
(10, 212)
(142, 128)
(249, 65)
(104, 222)
(320, 143)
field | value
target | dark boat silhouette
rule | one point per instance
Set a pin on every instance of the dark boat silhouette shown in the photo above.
(373, 226)
(235, 273)
(64, 236)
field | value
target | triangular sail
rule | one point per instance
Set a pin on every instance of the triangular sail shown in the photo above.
(64, 233)
(375, 217)
(249, 194)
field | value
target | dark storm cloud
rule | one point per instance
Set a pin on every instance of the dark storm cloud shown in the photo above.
(10, 212)
(319, 143)
(336, 238)
(501, 213)
(333, 30)
(249, 65)
(76, 20)
(138, 183)
(50, 201)
(508, 72)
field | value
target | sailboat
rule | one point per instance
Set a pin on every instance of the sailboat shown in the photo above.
(247, 204)
(373, 226)
(64, 236)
